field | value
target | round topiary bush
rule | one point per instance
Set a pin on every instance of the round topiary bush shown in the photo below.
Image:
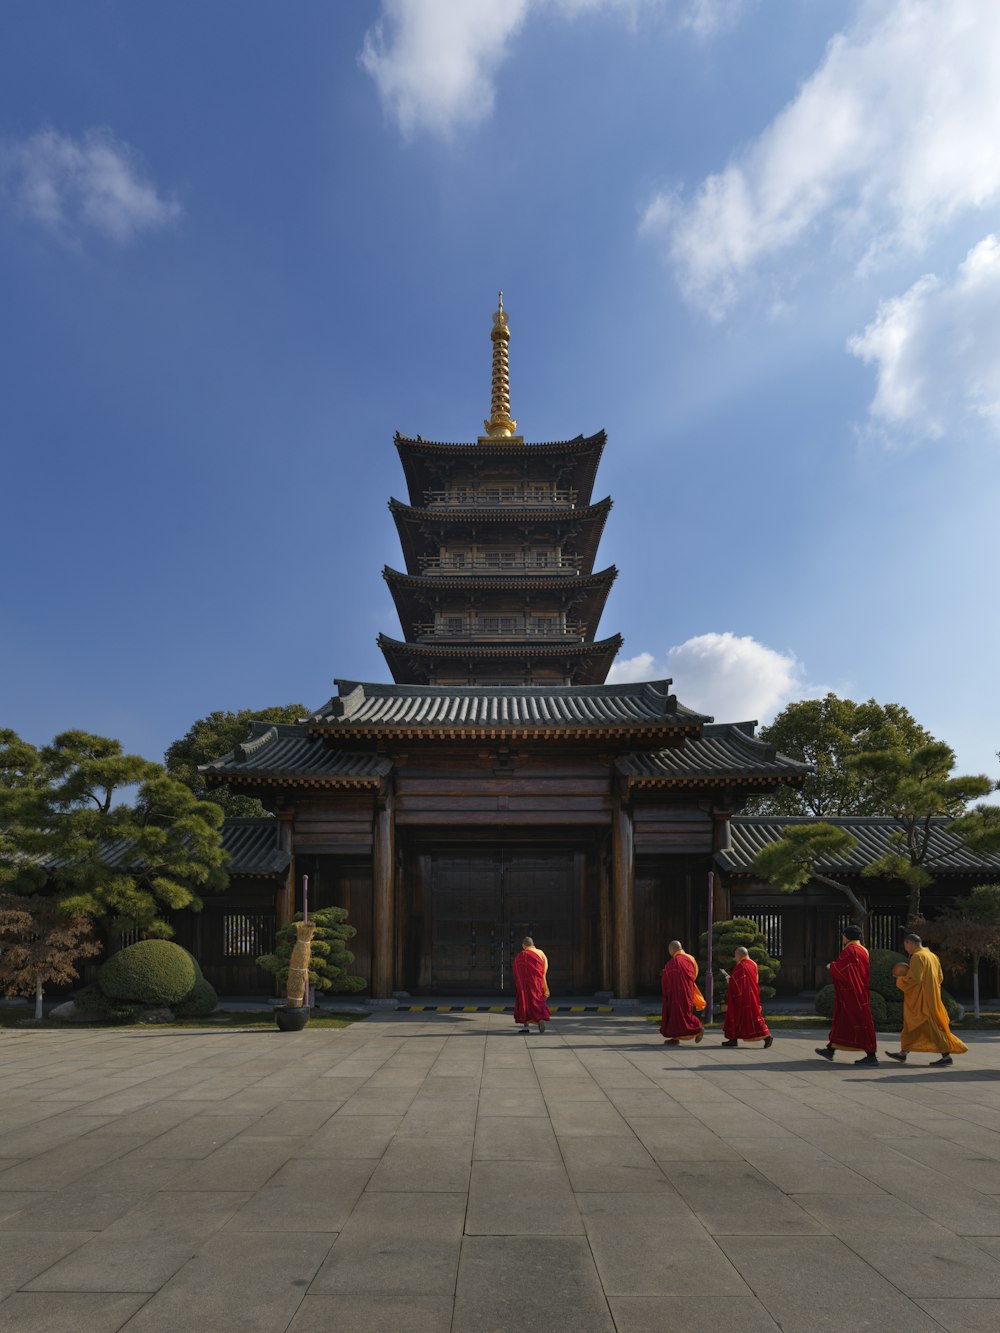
(881, 962)
(879, 1007)
(152, 972)
(93, 1003)
(824, 1001)
(824, 1005)
(201, 1002)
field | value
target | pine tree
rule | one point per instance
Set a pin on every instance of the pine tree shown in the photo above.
(330, 958)
(727, 937)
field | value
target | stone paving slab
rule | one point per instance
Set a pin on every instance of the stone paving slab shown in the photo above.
(441, 1173)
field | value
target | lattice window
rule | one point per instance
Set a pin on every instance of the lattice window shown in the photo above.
(247, 934)
(885, 929)
(768, 922)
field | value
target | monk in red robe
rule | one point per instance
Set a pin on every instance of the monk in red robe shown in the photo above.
(852, 1028)
(744, 1018)
(530, 968)
(680, 997)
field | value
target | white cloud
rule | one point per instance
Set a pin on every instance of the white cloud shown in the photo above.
(731, 677)
(937, 348)
(94, 181)
(896, 133)
(434, 61)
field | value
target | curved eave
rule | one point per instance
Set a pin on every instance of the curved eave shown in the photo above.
(422, 459)
(593, 660)
(245, 778)
(715, 780)
(589, 593)
(412, 524)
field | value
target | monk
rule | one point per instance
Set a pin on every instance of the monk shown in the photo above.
(530, 968)
(853, 1028)
(925, 1019)
(744, 1018)
(681, 997)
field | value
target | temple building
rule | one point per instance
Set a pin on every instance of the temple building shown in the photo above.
(499, 787)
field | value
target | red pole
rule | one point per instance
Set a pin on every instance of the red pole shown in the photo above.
(305, 917)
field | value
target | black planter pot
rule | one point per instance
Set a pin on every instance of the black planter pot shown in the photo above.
(291, 1020)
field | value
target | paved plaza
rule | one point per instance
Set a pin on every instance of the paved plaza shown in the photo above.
(432, 1173)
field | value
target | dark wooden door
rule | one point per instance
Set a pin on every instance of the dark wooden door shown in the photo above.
(482, 904)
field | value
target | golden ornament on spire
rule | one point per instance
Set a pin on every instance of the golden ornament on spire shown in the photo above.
(500, 426)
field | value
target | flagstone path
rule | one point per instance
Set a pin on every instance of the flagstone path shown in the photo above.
(441, 1173)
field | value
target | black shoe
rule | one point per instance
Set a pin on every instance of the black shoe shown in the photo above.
(699, 1036)
(730, 1044)
(768, 1043)
(525, 1031)
(897, 1055)
(937, 1064)
(868, 1059)
(825, 1052)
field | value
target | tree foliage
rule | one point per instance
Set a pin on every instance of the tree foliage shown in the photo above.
(915, 789)
(210, 738)
(40, 945)
(828, 733)
(66, 820)
(791, 862)
(968, 933)
(330, 959)
(727, 937)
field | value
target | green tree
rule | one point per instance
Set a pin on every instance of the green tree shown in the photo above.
(121, 864)
(791, 862)
(22, 801)
(980, 827)
(210, 738)
(827, 733)
(727, 937)
(330, 960)
(915, 788)
(40, 945)
(968, 933)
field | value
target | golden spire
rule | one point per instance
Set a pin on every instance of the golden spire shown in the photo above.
(500, 426)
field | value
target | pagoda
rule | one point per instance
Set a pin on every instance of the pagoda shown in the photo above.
(499, 540)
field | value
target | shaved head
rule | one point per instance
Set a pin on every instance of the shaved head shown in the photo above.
(527, 942)
(742, 953)
(675, 946)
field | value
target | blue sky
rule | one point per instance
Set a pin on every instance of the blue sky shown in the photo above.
(242, 243)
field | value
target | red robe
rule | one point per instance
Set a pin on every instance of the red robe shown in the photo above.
(529, 968)
(743, 1016)
(679, 997)
(852, 1028)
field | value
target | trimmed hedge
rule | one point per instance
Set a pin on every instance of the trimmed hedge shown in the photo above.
(201, 1002)
(92, 1001)
(152, 972)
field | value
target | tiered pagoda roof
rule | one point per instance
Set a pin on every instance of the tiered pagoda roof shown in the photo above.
(499, 540)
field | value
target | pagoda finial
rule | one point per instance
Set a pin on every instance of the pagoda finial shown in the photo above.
(500, 426)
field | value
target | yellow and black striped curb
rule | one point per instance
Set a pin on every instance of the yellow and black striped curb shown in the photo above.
(499, 1009)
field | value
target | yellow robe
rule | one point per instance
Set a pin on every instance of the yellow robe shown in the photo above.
(532, 948)
(925, 1019)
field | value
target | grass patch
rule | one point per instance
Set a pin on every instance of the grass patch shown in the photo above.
(12, 1017)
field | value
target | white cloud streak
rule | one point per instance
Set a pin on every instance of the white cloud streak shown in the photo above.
(434, 62)
(92, 183)
(733, 678)
(895, 134)
(936, 349)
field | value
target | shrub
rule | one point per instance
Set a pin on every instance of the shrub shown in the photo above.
(727, 937)
(201, 1001)
(824, 1005)
(152, 972)
(330, 958)
(93, 1003)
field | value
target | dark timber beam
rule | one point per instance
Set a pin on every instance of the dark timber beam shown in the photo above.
(623, 896)
(383, 894)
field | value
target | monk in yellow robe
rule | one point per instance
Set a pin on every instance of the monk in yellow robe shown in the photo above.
(925, 1019)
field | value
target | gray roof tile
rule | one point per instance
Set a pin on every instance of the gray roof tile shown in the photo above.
(723, 752)
(948, 852)
(283, 751)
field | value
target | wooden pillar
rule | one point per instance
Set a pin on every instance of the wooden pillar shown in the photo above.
(623, 897)
(383, 895)
(722, 841)
(604, 926)
(284, 904)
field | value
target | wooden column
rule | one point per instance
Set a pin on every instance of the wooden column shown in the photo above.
(623, 897)
(284, 904)
(604, 927)
(383, 895)
(722, 841)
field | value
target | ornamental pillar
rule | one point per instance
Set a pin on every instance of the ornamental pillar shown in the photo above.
(284, 904)
(623, 896)
(383, 894)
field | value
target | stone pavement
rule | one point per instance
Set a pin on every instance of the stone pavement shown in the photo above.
(429, 1173)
